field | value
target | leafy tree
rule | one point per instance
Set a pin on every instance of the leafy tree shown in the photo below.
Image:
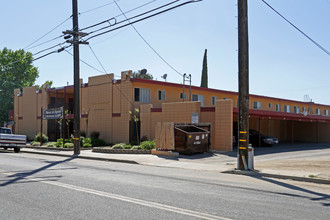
(141, 75)
(49, 84)
(204, 71)
(16, 72)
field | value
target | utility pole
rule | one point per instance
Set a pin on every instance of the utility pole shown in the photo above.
(76, 75)
(243, 85)
(76, 80)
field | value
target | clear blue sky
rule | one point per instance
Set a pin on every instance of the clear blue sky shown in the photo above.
(283, 63)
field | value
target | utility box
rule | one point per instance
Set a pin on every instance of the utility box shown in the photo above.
(190, 139)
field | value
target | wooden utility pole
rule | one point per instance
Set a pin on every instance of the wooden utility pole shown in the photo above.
(243, 85)
(76, 105)
(42, 110)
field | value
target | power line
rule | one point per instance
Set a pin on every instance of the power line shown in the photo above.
(97, 58)
(114, 18)
(86, 63)
(27, 47)
(139, 20)
(132, 104)
(55, 51)
(114, 35)
(45, 42)
(93, 9)
(145, 41)
(308, 37)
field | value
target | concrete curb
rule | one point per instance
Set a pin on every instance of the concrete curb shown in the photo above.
(277, 176)
(82, 157)
(119, 151)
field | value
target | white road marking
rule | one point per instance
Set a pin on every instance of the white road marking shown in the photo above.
(126, 199)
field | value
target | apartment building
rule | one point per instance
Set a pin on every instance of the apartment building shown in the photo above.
(106, 104)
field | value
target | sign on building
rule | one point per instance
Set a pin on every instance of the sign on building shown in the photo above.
(194, 118)
(55, 113)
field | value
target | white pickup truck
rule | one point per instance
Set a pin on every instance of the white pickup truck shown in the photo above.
(10, 140)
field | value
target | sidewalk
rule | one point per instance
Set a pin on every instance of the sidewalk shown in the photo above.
(302, 163)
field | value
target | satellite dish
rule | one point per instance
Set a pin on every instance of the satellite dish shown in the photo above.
(143, 71)
(164, 76)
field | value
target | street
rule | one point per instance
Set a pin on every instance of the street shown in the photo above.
(36, 186)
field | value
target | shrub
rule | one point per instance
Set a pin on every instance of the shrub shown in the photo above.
(68, 145)
(127, 146)
(134, 143)
(147, 145)
(51, 144)
(85, 141)
(118, 146)
(38, 138)
(87, 145)
(98, 142)
(136, 147)
(69, 140)
(59, 142)
(35, 143)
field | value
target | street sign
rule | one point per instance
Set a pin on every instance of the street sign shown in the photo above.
(55, 113)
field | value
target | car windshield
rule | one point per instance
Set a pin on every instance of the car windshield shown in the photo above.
(5, 131)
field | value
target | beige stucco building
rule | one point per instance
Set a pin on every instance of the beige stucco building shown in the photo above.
(106, 104)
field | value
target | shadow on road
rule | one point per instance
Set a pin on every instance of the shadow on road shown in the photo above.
(22, 175)
(320, 196)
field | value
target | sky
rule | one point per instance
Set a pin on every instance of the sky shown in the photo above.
(282, 62)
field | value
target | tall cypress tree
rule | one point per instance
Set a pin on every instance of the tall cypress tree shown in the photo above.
(204, 71)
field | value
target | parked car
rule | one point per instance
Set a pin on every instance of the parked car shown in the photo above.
(265, 140)
(10, 140)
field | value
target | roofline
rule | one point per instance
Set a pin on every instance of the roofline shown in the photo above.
(219, 91)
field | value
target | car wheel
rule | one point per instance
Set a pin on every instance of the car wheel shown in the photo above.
(17, 149)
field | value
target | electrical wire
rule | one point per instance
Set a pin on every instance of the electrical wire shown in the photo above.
(308, 37)
(141, 19)
(112, 36)
(114, 18)
(146, 42)
(86, 63)
(132, 104)
(97, 58)
(127, 19)
(93, 9)
(27, 47)
(55, 51)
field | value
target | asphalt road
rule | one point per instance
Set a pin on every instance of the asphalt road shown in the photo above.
(48, 187)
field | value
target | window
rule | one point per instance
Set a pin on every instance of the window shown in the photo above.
(199, 98)
(270, 105)
(303, 109)
(183, 96)
(326, 112)
(318, 111)
(310, 111)
(257, 105)
(286, 108)
(278, 107)
(161, 95)
(214, 98)
(141, 95)
(296, 110)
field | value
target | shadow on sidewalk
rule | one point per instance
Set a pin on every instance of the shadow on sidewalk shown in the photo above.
(320, 196)
(22, 175)
(282, 148)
